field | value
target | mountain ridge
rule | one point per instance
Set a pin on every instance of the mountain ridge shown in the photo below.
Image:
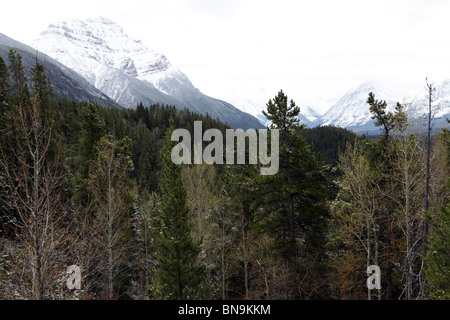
(65, 82)
(352, 112)
(127, 71)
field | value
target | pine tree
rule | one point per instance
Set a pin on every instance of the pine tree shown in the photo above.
(179, 275)
(42, 90)
(92, 130)
(382, 118)
(381, 160)
(294, 208)
(19, 87)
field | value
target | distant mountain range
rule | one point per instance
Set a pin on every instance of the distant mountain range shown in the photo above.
(94, 60)
(351, 111)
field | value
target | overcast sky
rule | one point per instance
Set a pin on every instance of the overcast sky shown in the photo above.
(313, 50)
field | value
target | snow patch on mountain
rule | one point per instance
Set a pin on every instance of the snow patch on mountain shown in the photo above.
(258, 102)
(352, 110)
(95, 47)
(127, 71)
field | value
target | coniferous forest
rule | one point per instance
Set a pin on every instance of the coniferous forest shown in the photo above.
(95, 187)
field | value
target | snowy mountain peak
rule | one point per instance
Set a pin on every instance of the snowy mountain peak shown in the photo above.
(100, 39)
(127, 71)
(309, 112)
(352, 110)
(382, 91)
(98, 47)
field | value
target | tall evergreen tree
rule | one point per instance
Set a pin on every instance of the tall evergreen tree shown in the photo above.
(382, 118)
(41, 90)
(179, 275)
(294, 198)
(92, 130)
(379, 157)
(19, 86)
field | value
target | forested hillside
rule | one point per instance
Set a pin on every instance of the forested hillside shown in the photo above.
(329, 141)
(95, 187)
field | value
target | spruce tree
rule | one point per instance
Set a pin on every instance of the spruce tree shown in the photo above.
(42, 91)
(179, 275)
(19, 88)
(92, 130)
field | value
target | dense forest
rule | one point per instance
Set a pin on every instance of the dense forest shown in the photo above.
(95, 187)
(329, 141)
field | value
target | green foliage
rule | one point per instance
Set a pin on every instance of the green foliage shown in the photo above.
(4, 86)
(386, 119)
(19, 81)
(41, 91)
(438, 255)
(293, 209)
(177, 252)
(382, 118)
(225, 228)
(281, 115)
(328, 141)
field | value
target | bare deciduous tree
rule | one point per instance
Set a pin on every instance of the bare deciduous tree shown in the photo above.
(109, 185)
(34, 182)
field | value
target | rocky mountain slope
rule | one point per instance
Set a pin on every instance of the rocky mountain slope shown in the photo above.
(65, 82)
(128, 72)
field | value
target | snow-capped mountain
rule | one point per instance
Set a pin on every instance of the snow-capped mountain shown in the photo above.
(352, 111)
(257, 103)
(66, 83)
(308, 114)
(128, 72)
